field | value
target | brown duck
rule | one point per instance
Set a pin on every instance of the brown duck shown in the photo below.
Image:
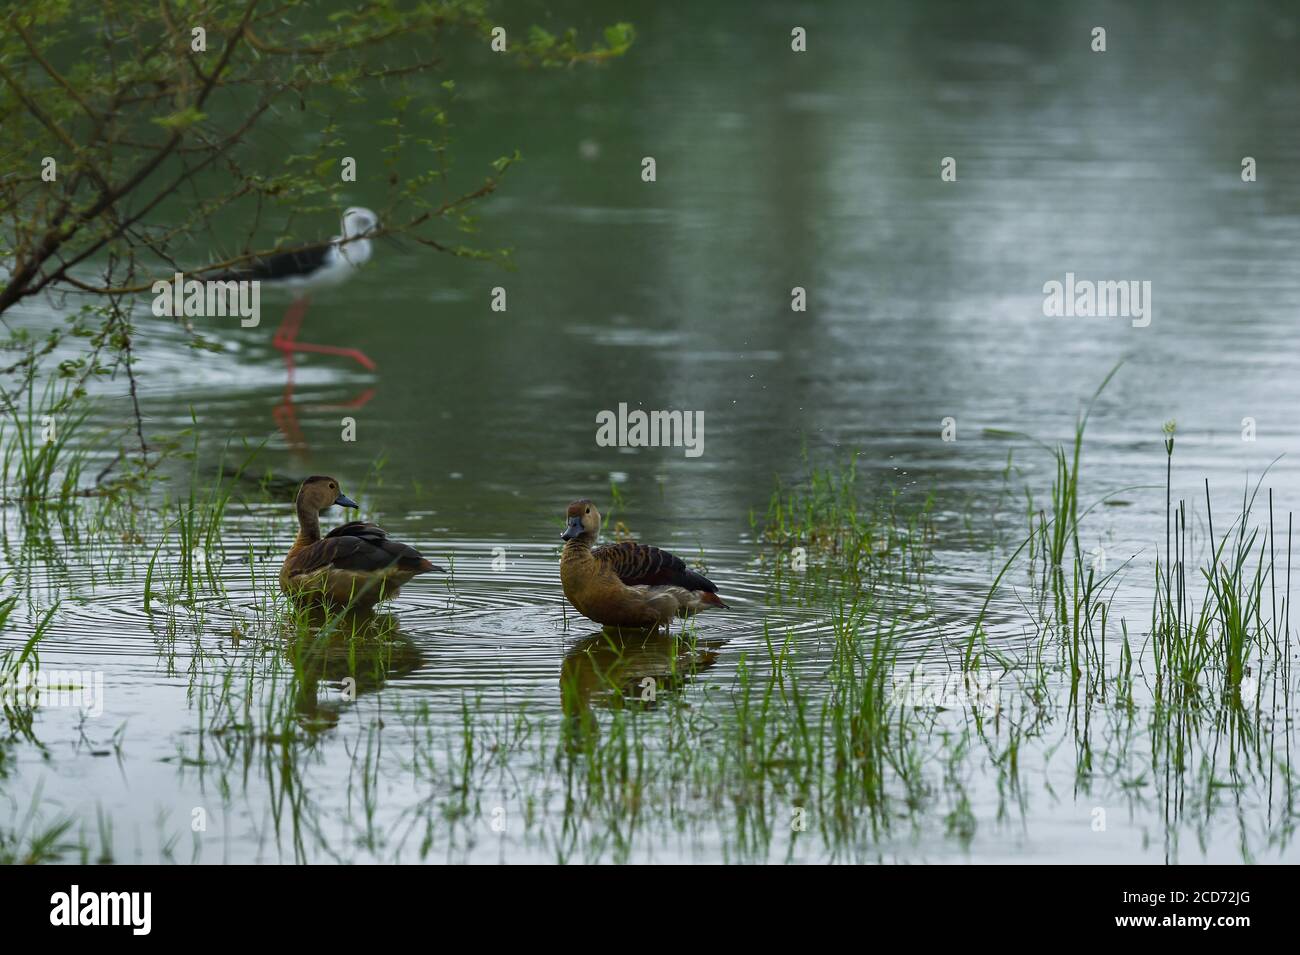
(627, 584)
(356, 564)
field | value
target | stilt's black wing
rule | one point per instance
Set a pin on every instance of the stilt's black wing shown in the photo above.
(282, 265)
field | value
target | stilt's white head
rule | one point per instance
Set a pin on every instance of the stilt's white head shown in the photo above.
(358, 221)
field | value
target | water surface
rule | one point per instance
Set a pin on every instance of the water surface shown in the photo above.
(775, 170)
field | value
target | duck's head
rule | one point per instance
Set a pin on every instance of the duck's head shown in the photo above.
(583, 522)
(358, 221)
(319, 492)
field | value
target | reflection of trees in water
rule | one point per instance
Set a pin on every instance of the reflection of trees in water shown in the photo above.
(360, 650)
(612, 669)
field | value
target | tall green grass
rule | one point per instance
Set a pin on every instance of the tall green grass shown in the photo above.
(43, 461)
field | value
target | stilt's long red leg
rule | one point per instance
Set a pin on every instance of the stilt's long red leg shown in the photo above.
(286, 337)
(359, 357)
(287, 333)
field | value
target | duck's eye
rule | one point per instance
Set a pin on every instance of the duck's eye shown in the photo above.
(588, 510)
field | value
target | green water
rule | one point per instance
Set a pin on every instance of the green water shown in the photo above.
(774, 170)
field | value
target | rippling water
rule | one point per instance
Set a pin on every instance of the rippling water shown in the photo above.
(925, 302)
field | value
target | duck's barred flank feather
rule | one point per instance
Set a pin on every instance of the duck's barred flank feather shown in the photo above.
(643, 565)
(358, 546)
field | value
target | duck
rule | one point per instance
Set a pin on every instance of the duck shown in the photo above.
(627, 584)
(356, 565)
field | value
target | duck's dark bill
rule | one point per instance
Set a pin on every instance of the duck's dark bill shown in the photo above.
(344, 501)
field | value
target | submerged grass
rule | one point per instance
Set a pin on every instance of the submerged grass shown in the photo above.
(43, 462)
(827, 533)
(878, 735)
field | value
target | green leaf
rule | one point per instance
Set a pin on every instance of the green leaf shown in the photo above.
(182, 119)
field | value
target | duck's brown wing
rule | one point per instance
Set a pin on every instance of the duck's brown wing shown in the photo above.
(358, 546)
(362, 529)
(642, 565)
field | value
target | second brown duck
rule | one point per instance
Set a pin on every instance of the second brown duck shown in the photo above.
(627, 584)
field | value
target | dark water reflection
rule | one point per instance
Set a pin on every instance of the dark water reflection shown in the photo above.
(615, 668)
(336, 658)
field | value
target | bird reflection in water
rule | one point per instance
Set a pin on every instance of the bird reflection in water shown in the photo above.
(614, 668)
(351, 653)
(285, 413)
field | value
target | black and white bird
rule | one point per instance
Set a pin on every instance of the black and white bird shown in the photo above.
(305, 270)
